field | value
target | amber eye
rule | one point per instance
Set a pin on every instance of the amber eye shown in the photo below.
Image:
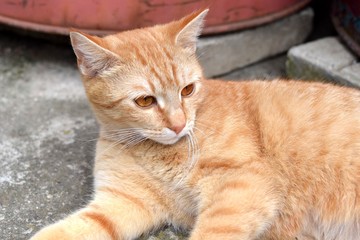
(188, 90)
(145, 101)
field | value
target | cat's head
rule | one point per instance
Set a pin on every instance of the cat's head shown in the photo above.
(144, 83)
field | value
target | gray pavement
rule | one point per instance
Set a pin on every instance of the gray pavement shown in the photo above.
(45, 132)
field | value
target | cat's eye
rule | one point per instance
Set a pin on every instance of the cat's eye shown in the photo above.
(188, 90)
(145, 101)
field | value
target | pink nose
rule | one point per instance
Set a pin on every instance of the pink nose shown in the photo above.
(177, 129)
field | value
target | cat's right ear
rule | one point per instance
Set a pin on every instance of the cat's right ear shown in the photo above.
(189, 28)
(92, 58)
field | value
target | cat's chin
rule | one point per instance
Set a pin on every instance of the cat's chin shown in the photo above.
(168, 141)
(169, 137)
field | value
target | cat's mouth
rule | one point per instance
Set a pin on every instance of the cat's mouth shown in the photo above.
(167, 136)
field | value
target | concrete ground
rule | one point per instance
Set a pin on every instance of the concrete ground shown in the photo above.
(48, 133)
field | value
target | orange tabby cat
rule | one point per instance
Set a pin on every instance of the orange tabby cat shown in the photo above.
(229, 160)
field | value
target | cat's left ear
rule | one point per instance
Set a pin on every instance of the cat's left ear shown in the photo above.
(93, 59)
(190, 29)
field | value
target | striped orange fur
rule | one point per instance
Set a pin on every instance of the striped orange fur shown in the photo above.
(250, 160)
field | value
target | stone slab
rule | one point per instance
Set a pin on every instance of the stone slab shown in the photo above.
(222, 54)
(324, 59)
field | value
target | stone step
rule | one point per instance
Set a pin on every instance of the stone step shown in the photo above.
(223, 53)
(325, 59)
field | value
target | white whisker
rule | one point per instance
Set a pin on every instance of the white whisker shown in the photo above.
(189, 157)
(206, 126)
(116, 143)
(199, 130)
(196, 150)
(134, 140)
(193, 156)
(127, 137)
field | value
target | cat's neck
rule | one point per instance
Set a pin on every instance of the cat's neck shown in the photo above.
(170, 164)
(141, 148)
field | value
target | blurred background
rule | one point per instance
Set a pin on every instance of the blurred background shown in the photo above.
(47, 130)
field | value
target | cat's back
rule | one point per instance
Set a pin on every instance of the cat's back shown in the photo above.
(286, 119)
(288, 109)
(294, 115)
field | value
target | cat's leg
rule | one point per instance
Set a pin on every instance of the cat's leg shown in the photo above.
(112, 215)
(240, 208)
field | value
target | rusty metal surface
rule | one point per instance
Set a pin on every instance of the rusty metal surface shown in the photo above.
(108, 16)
